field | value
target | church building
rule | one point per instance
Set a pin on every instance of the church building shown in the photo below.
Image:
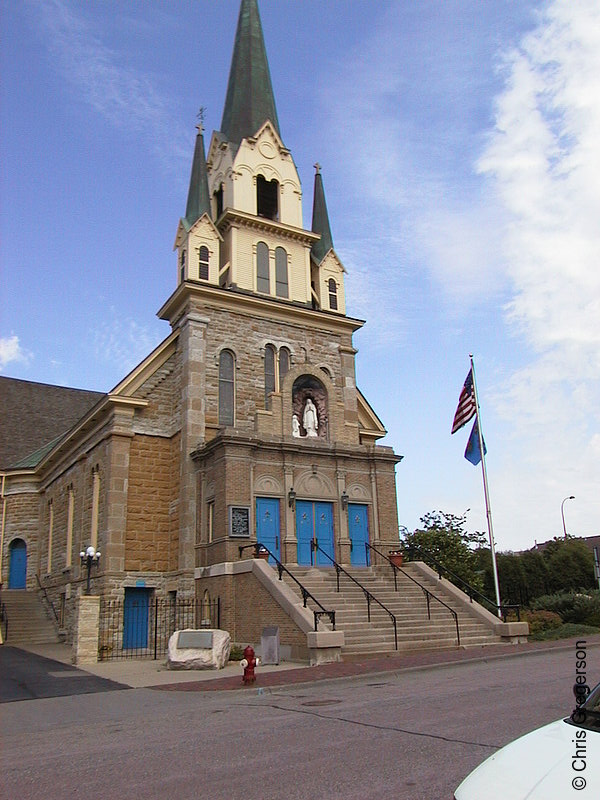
(244, 425)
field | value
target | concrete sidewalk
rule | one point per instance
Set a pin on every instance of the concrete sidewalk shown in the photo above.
(139, 673)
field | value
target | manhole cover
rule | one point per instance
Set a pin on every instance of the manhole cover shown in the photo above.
(321, 703)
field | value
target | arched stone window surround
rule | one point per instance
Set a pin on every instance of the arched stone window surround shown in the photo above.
(332, 399)
(227, 366)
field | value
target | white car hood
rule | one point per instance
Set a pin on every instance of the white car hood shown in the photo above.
(537, 766)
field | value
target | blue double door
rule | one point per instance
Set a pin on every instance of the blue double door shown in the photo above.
(314, 521)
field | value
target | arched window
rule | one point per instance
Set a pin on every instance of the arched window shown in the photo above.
(267, 198)
(262, 268)
(333, 302)
(284, 364)
(226, 387)
(203, 263)
(182, 266)
(218, 195)
(269, 373)
(281, 272)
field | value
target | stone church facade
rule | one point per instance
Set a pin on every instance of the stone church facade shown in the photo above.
(245, 424)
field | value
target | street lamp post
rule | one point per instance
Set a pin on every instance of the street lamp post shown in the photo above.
(562, 512)
(89, 557)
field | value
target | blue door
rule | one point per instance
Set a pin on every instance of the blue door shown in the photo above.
(304, 531)
(17, 570)
(324, 533)
(267, 525)
(314, 521)
(358, 529)
(136, 612)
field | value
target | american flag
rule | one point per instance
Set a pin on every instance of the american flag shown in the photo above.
(466, 408)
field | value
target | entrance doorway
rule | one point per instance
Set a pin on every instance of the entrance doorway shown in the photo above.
(17, 568)
(136, 612)
(314, 521)
(267, 525)
(358, 530)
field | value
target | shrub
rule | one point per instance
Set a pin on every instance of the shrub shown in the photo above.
(577, 607)
(565, 631)
(541, 620)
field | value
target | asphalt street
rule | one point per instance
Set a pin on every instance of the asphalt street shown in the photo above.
(409, 736)
(26, 676)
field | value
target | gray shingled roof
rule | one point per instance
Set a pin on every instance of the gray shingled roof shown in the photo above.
(33, 417)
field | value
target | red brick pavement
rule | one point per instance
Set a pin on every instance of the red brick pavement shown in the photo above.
(374, 666)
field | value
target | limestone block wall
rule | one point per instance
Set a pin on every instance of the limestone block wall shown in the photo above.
(21, 521)
(150, 539)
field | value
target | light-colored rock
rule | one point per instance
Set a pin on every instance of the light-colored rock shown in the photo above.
(215, 657)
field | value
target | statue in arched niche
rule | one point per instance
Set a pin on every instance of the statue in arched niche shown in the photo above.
(310, 419)
(309, 408)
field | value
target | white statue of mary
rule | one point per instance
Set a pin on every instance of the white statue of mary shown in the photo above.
(310, 420)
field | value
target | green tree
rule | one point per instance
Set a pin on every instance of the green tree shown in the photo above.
(570, 565)
(443, 538)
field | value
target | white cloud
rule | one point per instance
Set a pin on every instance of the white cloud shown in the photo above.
(128, 98)
(12, 352)
(544, 161)
(122, 343)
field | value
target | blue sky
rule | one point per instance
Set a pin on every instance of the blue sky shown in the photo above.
(459, 148)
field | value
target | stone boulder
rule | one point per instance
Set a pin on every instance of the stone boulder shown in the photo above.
(199, 649)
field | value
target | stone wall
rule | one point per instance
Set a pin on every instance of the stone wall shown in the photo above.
(247, 608)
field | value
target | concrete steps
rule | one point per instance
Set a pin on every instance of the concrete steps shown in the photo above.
(415, 629)
(28, 622)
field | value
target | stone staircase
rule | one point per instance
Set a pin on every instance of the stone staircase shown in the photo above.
(28, 622)
(409, 605)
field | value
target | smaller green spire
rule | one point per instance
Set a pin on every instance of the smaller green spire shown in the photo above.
(320, 219)
(198, 202)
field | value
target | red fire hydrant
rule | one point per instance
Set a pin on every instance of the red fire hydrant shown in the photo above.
(249, 662)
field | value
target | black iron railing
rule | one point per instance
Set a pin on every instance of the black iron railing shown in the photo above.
(424, 589)
(3, 616)
(369, 596)
(142, 628)
(49, 602)
(261, 550)
(442, 571)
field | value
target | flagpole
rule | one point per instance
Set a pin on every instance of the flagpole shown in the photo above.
(486, 490)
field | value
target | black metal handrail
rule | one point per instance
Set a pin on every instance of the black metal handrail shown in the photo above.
(314, 545)
(3, 616)
(258, 548)
(428, 594)
(469, 590)
(47, 599)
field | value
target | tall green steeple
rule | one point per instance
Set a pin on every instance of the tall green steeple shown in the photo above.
(198, 201)
(320, 219)
(250, 101)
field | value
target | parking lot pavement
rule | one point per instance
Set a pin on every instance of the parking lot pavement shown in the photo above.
(28, 676)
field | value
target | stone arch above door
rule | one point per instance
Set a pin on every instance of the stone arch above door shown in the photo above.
(357, 493)
(267, 484)
(314, 485)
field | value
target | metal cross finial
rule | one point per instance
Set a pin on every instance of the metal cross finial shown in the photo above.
(317, 166)
(200, 117)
